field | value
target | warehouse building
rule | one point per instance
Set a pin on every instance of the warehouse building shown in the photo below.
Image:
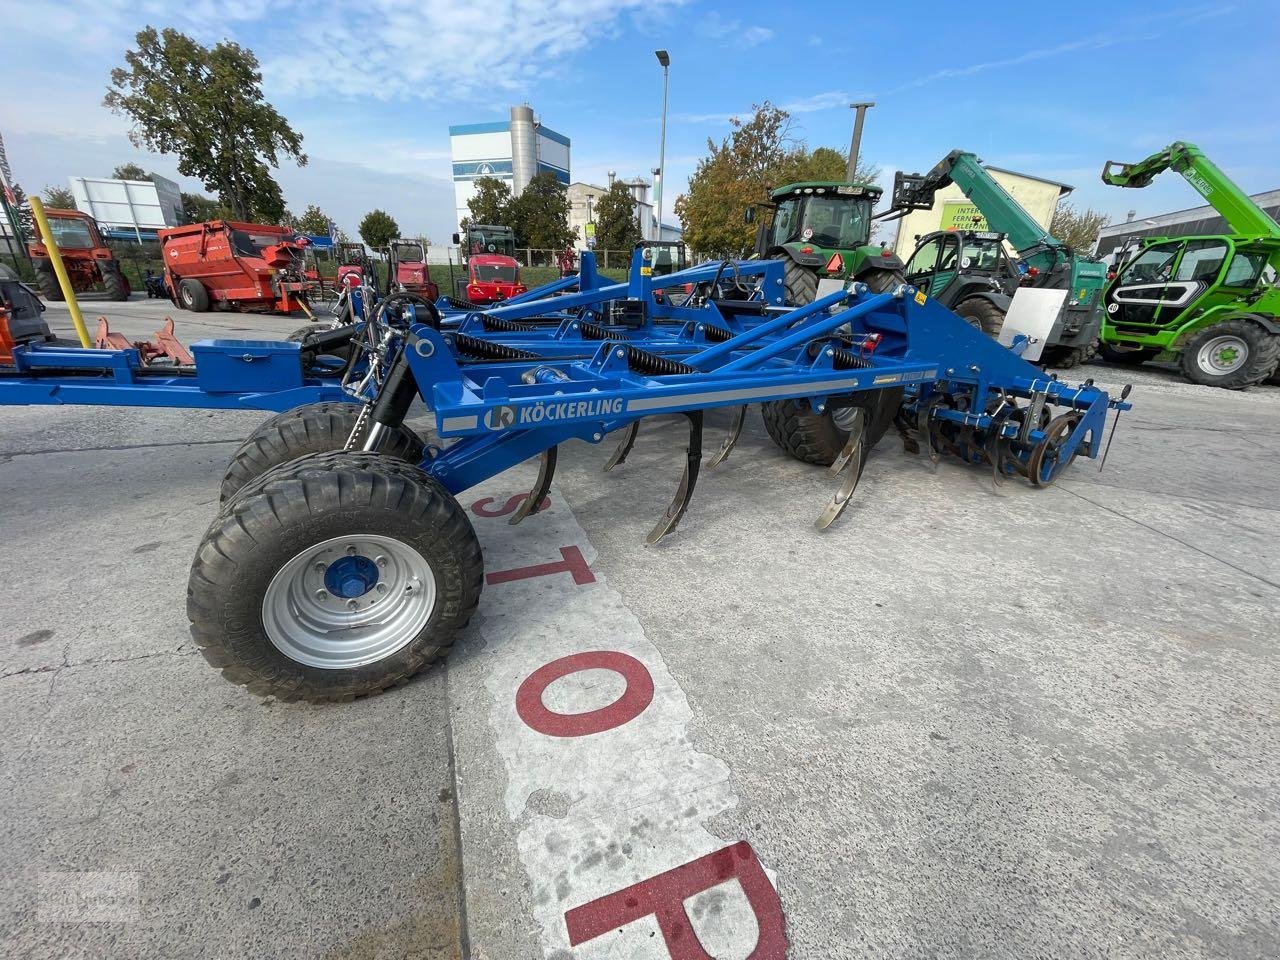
(513, 151)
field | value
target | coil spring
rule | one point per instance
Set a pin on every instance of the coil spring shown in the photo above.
(501, 323)
(655, 364)
(593, 331)
(488, 350)
(840, 359)
(717, 334)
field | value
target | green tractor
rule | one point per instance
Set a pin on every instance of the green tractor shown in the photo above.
(1208, 302)
(823, 229)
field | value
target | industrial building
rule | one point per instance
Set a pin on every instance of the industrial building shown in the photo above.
(583, 198)
(1193, 222)
(513, 151)
(953, 210)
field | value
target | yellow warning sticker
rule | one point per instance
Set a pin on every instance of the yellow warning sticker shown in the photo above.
(646, 271)
(920, 297)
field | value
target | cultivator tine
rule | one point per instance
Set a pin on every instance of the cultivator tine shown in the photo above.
(906, 431)
(849, 465)
(624, 446)
(1124, 395)
(533, 502)
(731, 441)
(689, 480)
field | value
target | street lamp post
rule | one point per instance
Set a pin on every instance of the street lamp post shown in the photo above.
(665, 59)
(861, 112)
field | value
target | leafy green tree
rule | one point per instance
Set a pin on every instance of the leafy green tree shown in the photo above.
(378, 229)
(758, 155)
(1079, 229)
(491, 203)
(60, 197)
(206, 106)
(313, 221)
(540, 215)
(129, 171)
(616, 225)
(198, 208)
(26, 220)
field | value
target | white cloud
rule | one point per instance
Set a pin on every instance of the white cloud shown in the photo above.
(731, 32)
(432, 49)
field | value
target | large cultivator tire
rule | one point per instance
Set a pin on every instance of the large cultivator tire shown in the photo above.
(114, 284)
(818, 438)
(47, 282)
(882, 281)
(337, 576)
(314, 428)
(1233, 354)
(982, 314)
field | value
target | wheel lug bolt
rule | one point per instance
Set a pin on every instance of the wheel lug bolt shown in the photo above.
(381, 561)
(382, 588)
(322, 595)
(352, 605)
(352, 551)
(320, 566)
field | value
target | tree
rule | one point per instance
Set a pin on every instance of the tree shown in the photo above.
(540, 215)
(26, 219)
(739, 171)
(616, 225)
(378, 229)
(491, 203)
(60, 197)
(201, 209)
(205, 106)
(1077, 228)
(129, 171)
(313, 221)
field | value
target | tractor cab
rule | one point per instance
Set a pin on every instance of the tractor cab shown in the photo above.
(481, 239)
(353, 262)
(823, 229)
(663, 257)
(492, 278)
(950, 265)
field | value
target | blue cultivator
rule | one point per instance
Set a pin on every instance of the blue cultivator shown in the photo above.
(342, 573)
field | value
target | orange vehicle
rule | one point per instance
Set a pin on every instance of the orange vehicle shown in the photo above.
(228, 265)
(90, 264)
(409, 267)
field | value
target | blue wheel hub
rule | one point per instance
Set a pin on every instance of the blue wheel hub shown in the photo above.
(351, 577)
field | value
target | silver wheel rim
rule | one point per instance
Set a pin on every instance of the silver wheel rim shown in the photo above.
(1222, 355)
(349, 601)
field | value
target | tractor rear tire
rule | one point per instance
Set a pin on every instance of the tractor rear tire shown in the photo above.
(1111, 354)
(817, 438)
(882, 281)
(114, 284)
(1203, 358)
(982, 314)
(193, 296)
(277, 581)
(302, 431)
(800, 283)
(47, 282)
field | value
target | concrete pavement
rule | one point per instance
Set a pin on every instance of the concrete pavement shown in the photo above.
(964, 722)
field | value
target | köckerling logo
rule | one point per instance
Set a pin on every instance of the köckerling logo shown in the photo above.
(503, 418)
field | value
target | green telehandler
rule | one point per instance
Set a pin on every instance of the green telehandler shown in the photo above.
(1208, 302)
(959, 268)
(823, 229)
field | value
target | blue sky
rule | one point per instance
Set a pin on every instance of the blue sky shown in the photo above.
(373, 86)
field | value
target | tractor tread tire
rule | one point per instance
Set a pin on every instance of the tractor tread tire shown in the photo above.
(114, 284)
(882, 281)
(814, 437)
(1264, 355)
(300, 504)
(800, 283)
(990, 317)
(193, 296)
(302, 431)
(47, 283)
(1064, 358)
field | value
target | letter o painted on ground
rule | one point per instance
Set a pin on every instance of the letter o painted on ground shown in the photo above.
(633, 702)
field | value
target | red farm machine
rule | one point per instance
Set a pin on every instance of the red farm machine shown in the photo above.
(90, 263)
(493, 272)
(229, 265)
(409, 271)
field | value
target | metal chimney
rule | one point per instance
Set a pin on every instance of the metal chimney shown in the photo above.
(524, 148)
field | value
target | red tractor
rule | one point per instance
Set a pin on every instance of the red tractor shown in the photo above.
(229, 265)
(408, 265)
(90, 264)
(353, 261)
(493, 272)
